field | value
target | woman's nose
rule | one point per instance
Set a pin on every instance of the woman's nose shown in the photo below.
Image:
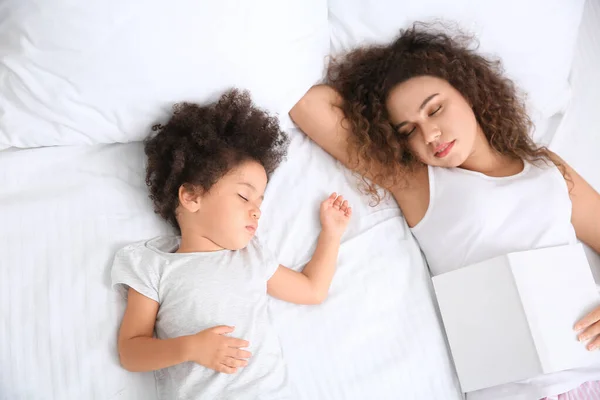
(431, 133)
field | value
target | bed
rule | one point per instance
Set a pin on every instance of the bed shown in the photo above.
(71, 198)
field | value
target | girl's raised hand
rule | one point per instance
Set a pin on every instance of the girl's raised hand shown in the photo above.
(335, 215)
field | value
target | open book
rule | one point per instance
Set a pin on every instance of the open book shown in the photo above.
(511, 318)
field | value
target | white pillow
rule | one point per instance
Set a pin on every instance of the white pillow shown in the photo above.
(103, 71)
(534, 38)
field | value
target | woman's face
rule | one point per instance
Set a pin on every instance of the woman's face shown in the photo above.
(436, 119)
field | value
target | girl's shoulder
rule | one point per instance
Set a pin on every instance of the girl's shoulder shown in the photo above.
(138, 267)
(149, 252)
(258, 250)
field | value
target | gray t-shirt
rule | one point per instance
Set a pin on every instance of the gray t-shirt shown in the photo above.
(197, 291)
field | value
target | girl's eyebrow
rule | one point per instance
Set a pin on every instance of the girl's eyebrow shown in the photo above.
(251, 186)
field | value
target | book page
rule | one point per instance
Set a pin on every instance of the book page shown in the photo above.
(557, 289)
(486, 326)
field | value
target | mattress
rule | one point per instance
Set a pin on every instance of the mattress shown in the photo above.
(64, 212)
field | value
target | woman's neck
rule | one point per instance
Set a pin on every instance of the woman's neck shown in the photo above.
(484, 159)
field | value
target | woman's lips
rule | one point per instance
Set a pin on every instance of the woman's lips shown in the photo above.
(444, 149)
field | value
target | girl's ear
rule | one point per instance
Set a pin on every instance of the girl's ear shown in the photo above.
(189, 197)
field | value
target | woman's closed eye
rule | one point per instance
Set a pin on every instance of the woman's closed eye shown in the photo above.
(408, 132)
(431, 114)
(414, 128)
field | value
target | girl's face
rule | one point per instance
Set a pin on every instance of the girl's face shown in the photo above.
(227, 215)
(438, 122)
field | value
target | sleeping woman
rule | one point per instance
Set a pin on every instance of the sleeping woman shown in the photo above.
(442, 129)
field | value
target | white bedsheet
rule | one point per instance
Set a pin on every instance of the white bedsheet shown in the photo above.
(65, 211)
(577, 139)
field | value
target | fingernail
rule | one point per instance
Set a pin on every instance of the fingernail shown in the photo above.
(592, 347)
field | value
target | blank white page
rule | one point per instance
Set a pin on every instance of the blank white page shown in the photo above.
(557, 289)
(485, 324)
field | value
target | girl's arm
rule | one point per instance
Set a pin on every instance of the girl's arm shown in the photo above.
(311, 286)
(139, 351)
(586, 206)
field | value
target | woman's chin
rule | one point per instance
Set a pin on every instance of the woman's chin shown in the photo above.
(446, 162)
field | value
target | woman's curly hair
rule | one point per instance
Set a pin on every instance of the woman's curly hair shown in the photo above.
(200, 144)
(365, 76)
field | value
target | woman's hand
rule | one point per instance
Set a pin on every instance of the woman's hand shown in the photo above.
(589, 329)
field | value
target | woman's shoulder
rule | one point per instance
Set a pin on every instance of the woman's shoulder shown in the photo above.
(412, 195)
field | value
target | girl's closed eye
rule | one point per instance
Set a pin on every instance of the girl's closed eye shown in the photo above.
(242, 197)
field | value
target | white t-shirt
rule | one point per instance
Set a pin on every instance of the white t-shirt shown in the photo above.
(473, 217)
(197, 291)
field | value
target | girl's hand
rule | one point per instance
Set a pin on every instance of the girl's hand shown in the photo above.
(589, 328)
(211, 349)
(335, 214)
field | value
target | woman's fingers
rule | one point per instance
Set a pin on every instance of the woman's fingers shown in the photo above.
(588, 320)
(594, 344)
(590, 333)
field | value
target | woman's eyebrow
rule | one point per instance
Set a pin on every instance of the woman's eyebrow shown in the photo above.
(421, 107)
(427, 100)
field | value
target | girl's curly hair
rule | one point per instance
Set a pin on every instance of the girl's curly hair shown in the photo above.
(365, 76)
(200, 144)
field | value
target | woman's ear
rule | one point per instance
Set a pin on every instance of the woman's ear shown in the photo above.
(189, 198)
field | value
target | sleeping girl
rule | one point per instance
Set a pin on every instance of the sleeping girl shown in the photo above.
(197, 302)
